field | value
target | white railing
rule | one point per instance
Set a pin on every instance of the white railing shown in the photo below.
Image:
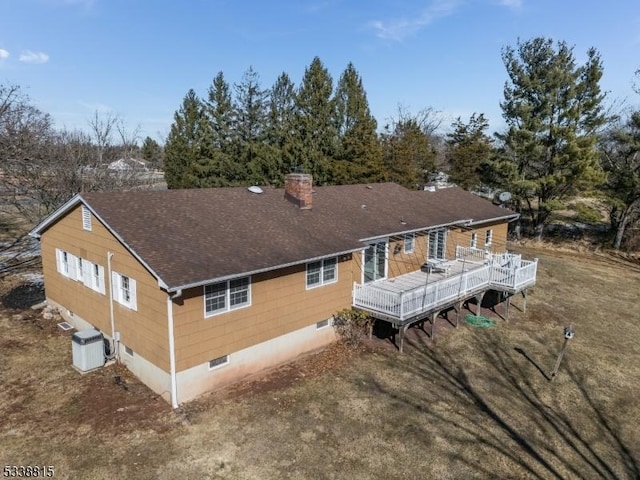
(437, 295)
(470, 254)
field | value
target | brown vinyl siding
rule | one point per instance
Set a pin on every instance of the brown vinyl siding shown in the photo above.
(144, 330)
(401, 263)
(280, 303)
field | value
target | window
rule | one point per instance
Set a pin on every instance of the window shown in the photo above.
(323, 324)
(128, 351)
(218, 362)
(409, 243)
(488, 238)
(224, 296)
(95, 278)
(437, 242)
(322, 272)
(124, 290)
(375, 262)
(67, 264)
(86, 218)
(474, 240)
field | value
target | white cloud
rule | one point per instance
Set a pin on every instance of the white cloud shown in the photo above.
(399, 29)
(3, 54)
(33, 57)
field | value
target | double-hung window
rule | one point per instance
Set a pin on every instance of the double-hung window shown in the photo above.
(225, 296)
(474, 240)
(322, 272)
(124, 290)
(409, 243)
(488, 238)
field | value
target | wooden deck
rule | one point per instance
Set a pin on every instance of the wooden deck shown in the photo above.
(411, 297)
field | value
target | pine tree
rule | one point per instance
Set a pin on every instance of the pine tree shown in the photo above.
(152, 152)
(187, 151)
(281, 128)
(315, 122)
(553, 110)
(359, 154)
(251, 127)
(468, 151)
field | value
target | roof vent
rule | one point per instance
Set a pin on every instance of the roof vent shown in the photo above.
(255, 189)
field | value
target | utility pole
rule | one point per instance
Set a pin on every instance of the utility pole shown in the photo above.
(568, 335)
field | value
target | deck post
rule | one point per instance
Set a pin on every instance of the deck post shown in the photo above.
(508, 303)
(434, 315)
(458, 307)
(402, 331)
(479, 300)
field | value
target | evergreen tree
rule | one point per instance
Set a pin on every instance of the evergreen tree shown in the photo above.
(187, 151)
(553, 109)
(152, 152)
(359, 155)
(409, 153)
(221, 114)
(468, 151)
(251, 127)
(315, 122)
(281, 128)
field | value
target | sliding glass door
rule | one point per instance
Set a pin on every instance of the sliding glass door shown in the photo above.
(375, 262)
(437, 244)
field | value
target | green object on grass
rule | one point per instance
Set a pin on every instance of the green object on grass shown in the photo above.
(480, 321)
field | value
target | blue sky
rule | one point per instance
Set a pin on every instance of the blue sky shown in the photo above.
(138, 58)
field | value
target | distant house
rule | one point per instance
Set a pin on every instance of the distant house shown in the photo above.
(127, 164)
(203, 287)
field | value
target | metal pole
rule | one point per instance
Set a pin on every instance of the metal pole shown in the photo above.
(568, 335)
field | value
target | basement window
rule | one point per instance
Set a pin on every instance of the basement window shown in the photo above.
(323, 324)
(128, 351)
(86, 218)
(218, 362)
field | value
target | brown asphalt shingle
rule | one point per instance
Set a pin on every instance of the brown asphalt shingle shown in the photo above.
(193, 236)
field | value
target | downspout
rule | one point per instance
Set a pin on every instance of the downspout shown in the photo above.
(111, 315)
(172, 348)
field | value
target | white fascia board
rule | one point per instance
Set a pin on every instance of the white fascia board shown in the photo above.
(416, 230)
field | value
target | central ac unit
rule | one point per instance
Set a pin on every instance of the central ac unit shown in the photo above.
(87, 350)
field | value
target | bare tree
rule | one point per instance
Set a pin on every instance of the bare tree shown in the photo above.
(102, 126)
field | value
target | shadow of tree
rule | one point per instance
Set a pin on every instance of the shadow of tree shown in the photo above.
(497, 407)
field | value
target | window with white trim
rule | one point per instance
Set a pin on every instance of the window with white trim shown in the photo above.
(218, 362)
(323, 324)
(66, 264)
(474, 240)
(322, 272)
(409, 243)
(488, 238)
(124, 290)
(86, 218)
(80, 270)
(225, 296)
(94, 278)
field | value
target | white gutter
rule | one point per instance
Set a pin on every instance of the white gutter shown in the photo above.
(172, 349)
(111, 315)
(430, 227)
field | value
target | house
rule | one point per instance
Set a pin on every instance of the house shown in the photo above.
(199, 288)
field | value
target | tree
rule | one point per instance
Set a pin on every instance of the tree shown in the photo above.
(101, 126)
(152, 152)
(315, 122)
(251, 119)
(468, 151)
(620, 149)
(188, 161)
(359, 155)
(553, 110)
(281, 128)
(409, 152)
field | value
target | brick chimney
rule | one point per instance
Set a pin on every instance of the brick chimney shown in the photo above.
(297, 189)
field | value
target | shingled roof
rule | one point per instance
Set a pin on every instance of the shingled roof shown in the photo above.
(195, 236)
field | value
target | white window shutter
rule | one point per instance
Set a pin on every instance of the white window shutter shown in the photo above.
(59, 261)
(72, 260)
(87, 274)
(115, 286)
(101, 287)
(133, 299)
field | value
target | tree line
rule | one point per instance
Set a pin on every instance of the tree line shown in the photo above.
(561, 139)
